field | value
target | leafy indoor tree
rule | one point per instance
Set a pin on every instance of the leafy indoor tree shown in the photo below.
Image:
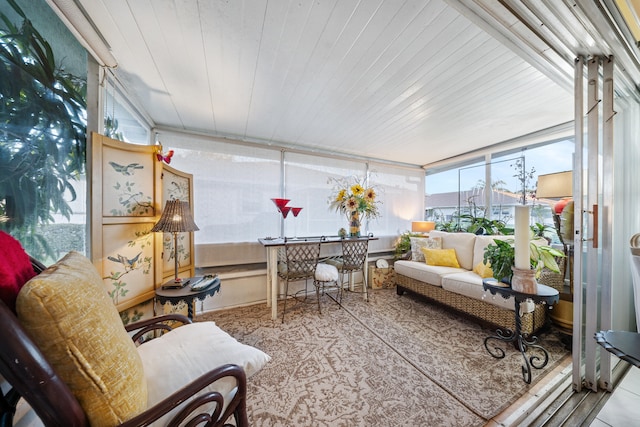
(524, 178)
(42, 133)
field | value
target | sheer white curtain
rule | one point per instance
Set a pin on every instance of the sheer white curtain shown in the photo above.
(402, 193)
(307, 185)
(234, 184)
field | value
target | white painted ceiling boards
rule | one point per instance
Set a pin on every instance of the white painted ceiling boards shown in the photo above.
(412, 81)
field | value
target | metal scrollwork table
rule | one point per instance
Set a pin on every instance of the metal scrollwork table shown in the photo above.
(174, 296)
(539, 360)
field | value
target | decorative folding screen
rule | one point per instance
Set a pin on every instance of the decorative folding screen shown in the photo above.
(127, 198)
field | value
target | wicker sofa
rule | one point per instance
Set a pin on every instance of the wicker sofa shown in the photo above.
(461, 288)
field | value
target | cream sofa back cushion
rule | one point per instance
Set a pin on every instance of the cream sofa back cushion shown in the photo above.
(461, 242)
(70, 317)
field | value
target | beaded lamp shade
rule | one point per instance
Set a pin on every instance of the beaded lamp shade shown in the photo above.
(176, 218)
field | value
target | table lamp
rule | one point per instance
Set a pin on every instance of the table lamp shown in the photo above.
(422, 226)
(557, 185)
(176, 218)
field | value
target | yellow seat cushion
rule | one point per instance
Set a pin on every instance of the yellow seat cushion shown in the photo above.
(441, 257)
(483, 270)
(67, 312)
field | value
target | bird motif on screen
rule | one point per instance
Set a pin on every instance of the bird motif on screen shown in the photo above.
(126, 170)
(128, 263)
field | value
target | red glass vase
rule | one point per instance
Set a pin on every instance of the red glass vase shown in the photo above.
(280, 203)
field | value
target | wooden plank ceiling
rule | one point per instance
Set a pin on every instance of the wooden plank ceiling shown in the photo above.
(410, 81)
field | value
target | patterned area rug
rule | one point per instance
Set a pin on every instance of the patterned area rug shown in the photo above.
(392, 361)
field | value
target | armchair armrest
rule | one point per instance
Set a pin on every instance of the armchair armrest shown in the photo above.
(236, 406)
(162, 322)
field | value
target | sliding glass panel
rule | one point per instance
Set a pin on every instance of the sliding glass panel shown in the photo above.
(121, 121)
(450, 193)
(515, 171)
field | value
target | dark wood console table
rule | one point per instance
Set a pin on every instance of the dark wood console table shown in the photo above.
(539, 360)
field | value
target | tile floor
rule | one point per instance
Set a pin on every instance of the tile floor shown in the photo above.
(523, 408)
(623, 407)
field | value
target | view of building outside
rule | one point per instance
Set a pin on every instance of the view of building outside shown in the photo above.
(455, 196)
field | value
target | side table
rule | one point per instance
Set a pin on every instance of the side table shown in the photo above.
(624, 344)
(546, 295)
(174, 296)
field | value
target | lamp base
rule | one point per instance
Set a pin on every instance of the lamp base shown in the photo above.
(177, 280)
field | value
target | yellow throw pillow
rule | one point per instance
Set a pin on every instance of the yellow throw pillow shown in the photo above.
(483, 270)
(441, 257)
(67, 312)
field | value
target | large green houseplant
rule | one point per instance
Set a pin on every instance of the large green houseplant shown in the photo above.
(501, 257)
(42, 133)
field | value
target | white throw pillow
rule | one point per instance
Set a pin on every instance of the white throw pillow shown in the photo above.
(178, 357)
(417, 243)
(326, 273)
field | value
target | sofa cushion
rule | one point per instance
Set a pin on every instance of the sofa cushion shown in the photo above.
(326, 272)
(483, 270)
(70, 317)
(425, 273)
(417, 243)
(463, 244)
(195, 349)
(470, 284)
(441, 257)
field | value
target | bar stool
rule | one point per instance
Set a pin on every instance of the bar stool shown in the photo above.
(325, 275)
(297, 261)
(354, 256)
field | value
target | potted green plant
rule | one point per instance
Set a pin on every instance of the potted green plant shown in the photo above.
(403, 244)
(540, 231)
(501, 257)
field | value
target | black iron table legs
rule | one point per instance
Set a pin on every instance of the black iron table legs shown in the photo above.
(537, 360)
(539, 356)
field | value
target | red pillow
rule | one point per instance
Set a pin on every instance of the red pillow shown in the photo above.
(15, 269)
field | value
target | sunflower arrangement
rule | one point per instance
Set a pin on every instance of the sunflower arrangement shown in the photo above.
(351, 195)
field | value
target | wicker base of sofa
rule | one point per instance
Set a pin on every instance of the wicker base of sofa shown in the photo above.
(488, 314)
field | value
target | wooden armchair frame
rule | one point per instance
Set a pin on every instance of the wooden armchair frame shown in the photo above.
(31, 377)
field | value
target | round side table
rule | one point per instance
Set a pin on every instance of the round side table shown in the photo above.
(174, 296)
(546, 295)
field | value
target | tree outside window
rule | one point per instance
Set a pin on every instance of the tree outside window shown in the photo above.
(42, 135)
